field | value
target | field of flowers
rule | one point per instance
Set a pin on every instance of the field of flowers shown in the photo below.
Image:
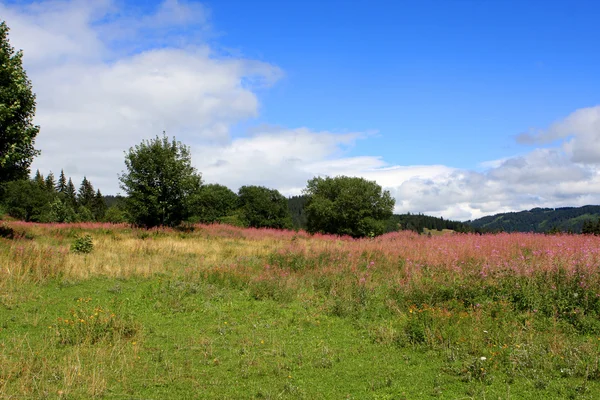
(223, 312)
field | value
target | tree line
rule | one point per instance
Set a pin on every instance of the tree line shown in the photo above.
(46, 199)
(162, 188)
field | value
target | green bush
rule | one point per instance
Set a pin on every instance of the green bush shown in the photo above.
(82, 245)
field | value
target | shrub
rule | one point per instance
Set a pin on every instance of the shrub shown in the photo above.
(82, 245)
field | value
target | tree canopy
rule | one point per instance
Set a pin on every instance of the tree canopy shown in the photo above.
(262, 207)
(214, 202)
(347, 206)
(17, 109)
(160, 182)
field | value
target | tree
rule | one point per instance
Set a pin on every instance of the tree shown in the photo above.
(27, 200)
(115, 215)
(71, 194)
(296, 205)
(86, 194)
(264, 208)
(160, 182)
(98, 206)
(214, 202)
(50, 183)
(61, 185)
(39, 179)
(17, 108)
(347, 206)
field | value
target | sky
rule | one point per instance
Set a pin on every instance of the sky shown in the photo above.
(460, 108)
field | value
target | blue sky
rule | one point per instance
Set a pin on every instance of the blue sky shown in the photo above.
(449, 82)
(461, 108)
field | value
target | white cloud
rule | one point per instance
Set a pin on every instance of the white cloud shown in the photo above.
(107, 77)
(580, 133)
(94, 102)
(286, 159)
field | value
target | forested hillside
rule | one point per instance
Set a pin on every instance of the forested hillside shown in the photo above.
(417, 222)
(565, 219)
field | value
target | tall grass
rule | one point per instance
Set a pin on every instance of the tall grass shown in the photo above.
(524, 304)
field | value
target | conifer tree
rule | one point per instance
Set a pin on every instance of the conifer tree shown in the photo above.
(61, 185)
(71, 194)
(98, 206)
(50, 183)
(85, 197)
(39, 179)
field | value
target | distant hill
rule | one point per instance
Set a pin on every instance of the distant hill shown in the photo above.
(565, 219)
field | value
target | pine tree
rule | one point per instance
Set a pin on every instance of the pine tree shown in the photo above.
(61, 185)
(85, 197)
(39, 179)
(98, 206)
(71, 194)
(50, 183)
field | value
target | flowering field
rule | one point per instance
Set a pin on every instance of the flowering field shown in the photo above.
(223, 312)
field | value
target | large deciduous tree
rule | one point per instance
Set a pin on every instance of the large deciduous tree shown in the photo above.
(160, 182)
(347, 206)
(17, 108)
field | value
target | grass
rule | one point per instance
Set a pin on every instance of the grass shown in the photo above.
(226, 313)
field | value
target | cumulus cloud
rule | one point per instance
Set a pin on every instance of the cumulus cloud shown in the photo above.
(580, 133)
(94, 102)
(108, 77)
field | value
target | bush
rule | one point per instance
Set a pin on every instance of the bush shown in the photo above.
(115, 215)
(7, 232)
(82, 245)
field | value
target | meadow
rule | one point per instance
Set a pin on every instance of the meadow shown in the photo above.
(219, 312)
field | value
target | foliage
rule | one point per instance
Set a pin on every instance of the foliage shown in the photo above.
(86, 194)
(42, 200)
(347, 206)
(82, 244)
(591, 228)
(61, 211)
(214, 202)
(98, 206)
(296, 205)
(564, 219)
(418, 222)
(115, 215)
(160, 182)
(261, 207)
(70, 195)
(27, 200)
(17, 108)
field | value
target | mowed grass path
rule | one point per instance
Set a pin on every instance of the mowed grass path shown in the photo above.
(220, 313)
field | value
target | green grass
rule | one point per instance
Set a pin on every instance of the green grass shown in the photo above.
(225, 313)
(190, 339)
